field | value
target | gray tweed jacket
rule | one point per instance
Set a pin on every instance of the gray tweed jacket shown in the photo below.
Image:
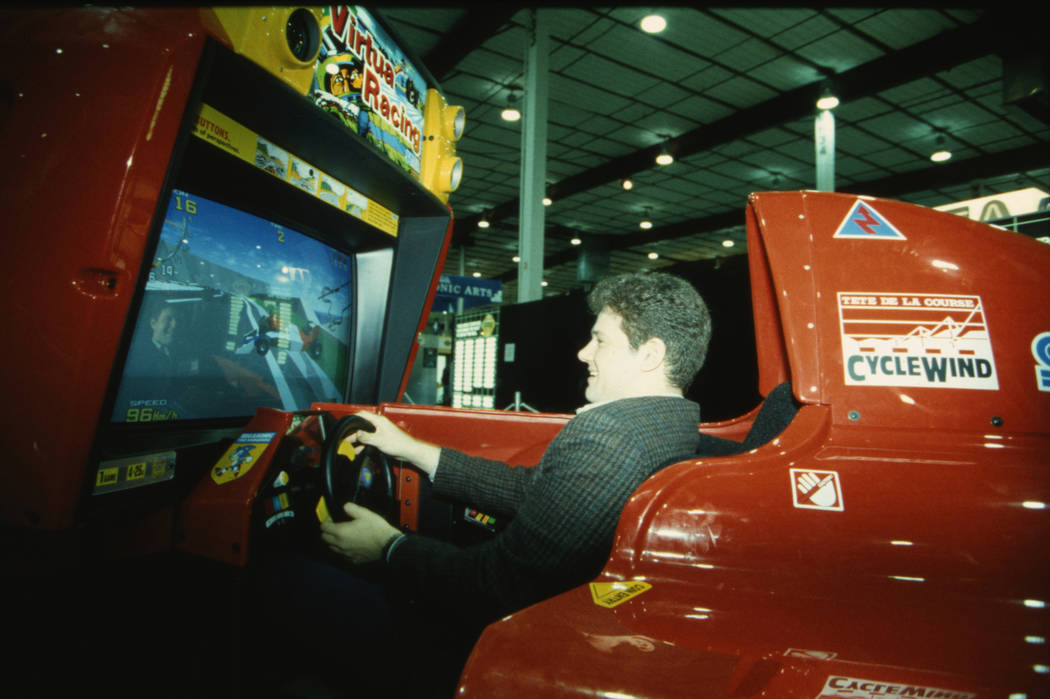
(565, 509)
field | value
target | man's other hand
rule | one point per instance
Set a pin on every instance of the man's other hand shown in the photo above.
(362, 538)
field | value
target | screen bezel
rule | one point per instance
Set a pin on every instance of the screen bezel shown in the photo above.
(154, 298)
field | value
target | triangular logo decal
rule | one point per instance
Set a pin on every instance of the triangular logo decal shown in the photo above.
(863, 221)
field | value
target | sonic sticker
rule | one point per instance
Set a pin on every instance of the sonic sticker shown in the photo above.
(241, 456)
(863, 221)
(1041, 352)
(925, 340)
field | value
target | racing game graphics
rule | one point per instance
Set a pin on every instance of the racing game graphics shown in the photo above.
(238, 312)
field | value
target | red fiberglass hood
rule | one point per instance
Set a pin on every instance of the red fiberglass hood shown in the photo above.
(891, 541)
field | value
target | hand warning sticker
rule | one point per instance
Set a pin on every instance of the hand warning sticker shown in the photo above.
(814, 489)
(925, 340)
(863, 221)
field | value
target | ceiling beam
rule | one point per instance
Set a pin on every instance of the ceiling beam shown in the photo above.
(476, 26)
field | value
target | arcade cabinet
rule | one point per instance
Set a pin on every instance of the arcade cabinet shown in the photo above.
(212, 213)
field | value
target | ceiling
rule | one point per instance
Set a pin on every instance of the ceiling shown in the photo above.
(730, 93)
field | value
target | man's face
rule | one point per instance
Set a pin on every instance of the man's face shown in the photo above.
(163, 327)
(613, 367)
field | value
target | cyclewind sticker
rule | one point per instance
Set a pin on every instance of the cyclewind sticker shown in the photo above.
(924, 340)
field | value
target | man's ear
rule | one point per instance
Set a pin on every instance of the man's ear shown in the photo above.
(653, 353)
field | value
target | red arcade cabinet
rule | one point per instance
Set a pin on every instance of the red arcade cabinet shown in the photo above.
(210, 211)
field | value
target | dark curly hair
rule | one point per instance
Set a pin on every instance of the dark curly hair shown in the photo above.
(661, 305)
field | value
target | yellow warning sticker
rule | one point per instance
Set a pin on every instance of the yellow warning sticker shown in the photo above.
(610, 594)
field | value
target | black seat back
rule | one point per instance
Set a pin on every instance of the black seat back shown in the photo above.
(778, 409)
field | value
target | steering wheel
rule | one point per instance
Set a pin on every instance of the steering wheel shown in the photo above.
(365, 478)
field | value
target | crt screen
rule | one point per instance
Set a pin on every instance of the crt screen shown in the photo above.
(239, 312)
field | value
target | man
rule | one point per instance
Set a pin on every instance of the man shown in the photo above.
(647, 343)
(153, 361)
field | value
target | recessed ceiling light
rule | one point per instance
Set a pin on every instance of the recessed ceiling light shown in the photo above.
(653, 255)
(827, 102)
(483, 223)
(942, 153)
(645, 225)
(653, 24)
(627, 184)
(510, 112)
(664, 158)
(547, 201)
(576, 241)
(728, 243)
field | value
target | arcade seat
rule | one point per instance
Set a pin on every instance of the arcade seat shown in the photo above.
(777, 411)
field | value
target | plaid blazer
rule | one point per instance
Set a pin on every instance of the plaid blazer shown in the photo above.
(565, 509)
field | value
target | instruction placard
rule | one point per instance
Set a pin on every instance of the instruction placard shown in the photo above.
(223, 132)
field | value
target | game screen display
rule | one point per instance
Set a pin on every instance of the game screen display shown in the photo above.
(239, 312)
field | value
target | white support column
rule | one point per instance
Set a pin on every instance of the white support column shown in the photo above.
(533, 163)
(824, 146)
